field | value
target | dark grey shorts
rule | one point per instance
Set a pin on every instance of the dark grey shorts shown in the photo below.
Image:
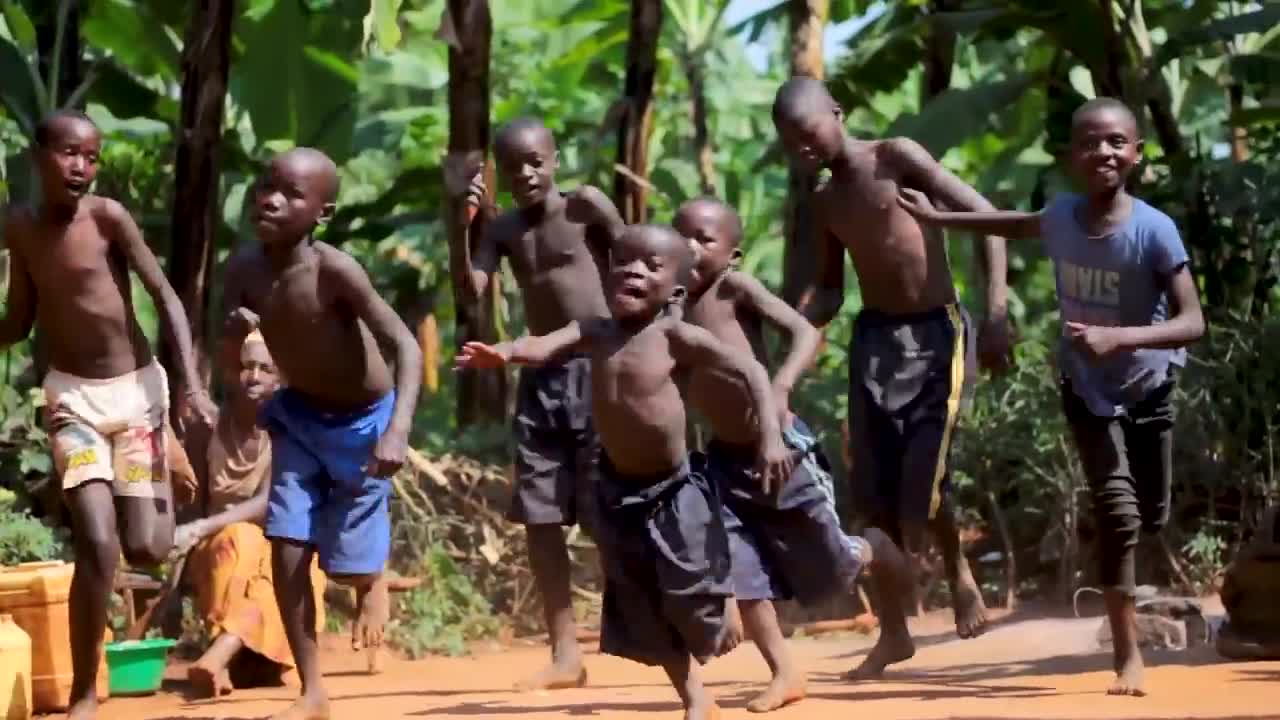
(786, 546)
(556, 446)
(1128, 461)
(665, 555)
(908, 377)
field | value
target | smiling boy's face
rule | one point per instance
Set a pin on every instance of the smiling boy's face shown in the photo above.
(67, 160)
(1105, 147)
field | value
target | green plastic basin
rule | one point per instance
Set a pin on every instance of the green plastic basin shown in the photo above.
(136, 667)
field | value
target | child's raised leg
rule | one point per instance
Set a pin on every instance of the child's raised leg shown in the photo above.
(291, 568)
(97, 548)
(760, 621)
(891, 574)
(549, 560)
(686, 678)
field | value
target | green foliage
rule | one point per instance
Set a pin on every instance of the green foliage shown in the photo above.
(442, 614)
(24, 538)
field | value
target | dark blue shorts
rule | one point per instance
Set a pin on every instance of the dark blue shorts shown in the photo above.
(320, 494)
(666, 561)
(788, 546)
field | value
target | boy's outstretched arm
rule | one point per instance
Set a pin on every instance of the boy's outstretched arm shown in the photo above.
(20, 305)
(805, 338)
(693, 346)
(125, 233)
(527, 350)
(352, 285)
(1006, 223)
(920, 170)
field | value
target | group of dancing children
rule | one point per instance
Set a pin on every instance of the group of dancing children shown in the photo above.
(627, 325)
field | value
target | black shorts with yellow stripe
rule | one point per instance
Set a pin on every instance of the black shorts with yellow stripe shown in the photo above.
(908, 378)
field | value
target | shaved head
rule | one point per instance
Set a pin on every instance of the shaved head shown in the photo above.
(524, 133)
(315, 166)
(802, 96)
(55, 123)
(1105, 105)
(709, 209)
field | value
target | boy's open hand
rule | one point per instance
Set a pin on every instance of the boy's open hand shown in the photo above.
(241, 322)
(388, 454)
(479, 355)
(774, 465)
(917, 203)
(1098, 340)
(586, 205)
(995, 344)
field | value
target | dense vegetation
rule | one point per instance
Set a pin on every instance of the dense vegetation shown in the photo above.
(988, 87)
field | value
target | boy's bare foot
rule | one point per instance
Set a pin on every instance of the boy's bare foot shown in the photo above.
(555, 677)
(306, 708)
(971, 612)
(785, 689)
(86, 709)
(732, 635)
(374, 603)
(1130, 678)
(889, 649)
(208, 683)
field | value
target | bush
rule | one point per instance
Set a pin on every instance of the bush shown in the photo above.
(442, 614)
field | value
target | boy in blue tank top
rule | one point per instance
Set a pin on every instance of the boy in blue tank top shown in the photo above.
(1129, 307)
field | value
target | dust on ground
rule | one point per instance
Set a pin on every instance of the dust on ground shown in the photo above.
(1027, 667)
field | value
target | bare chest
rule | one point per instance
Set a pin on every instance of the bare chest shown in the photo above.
(538, 252)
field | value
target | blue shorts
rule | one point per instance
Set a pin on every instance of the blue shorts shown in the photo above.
(320, 494)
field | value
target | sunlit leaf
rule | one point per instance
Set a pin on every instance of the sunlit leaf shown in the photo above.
(21, 30)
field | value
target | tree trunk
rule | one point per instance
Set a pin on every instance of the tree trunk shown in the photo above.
(633, 130)
(206, 58)
(695, 70)
(1239, 133)
(807, 20)
(468, 28)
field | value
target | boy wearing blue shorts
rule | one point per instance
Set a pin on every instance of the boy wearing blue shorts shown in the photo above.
(339, 429)
(1129, 307)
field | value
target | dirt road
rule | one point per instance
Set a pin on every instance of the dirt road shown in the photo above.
(1023, 669)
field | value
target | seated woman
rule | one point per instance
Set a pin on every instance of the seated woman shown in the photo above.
(230, 560)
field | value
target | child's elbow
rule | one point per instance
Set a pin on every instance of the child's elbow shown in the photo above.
(1196, 324)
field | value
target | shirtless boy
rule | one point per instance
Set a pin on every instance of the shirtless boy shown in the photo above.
(1119, 263)
(107, 396)
(907, 363)
(340, 427)
(668, 598)
(557, 263)
(783, 545)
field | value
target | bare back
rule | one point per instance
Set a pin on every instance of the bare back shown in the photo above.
(902, 267)
(84, 301)
(636, 405)
(323, 350)
(558, 274)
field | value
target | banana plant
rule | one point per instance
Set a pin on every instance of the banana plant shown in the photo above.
(697, 25)
(25, 95)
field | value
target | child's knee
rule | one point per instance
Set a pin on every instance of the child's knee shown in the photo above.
(98, 549)
(145, 549)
